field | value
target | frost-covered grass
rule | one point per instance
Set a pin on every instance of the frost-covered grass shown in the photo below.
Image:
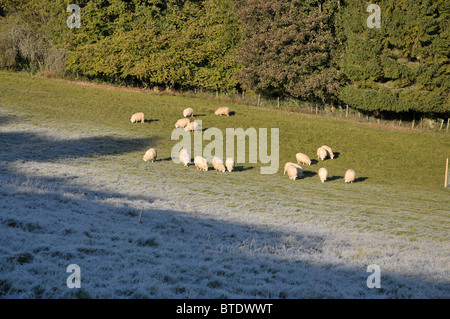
(73, 187)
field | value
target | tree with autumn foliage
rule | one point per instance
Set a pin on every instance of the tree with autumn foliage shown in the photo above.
(287, 49)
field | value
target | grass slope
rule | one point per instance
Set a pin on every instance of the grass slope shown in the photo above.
(402, 159)
(70, 150)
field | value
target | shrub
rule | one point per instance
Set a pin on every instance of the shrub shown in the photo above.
(24, 48)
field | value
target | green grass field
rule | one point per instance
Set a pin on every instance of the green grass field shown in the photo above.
(401, 173)
(401, 158)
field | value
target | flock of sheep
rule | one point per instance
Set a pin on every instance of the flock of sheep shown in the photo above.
(294, 170)
(185, 158)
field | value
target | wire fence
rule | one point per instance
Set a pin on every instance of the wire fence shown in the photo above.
(422, 122)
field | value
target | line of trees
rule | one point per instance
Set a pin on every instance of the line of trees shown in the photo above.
(319, 51)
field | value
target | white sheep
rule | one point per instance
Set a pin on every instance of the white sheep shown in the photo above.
(229, 163)
(322, 153)
(349, 176)
(136, 117)
(218, 164)
(182, 123)
(192, 126)
(303, 158)
(185, 158)
(323, 174)
(293, 172)
(150, 155)
(290, 163)
(222, 111)
(200, 163)
(188, 112)
(328, 149)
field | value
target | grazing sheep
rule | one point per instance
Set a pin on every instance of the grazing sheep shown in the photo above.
(192, 126)
(150, 155)
(229, 164)
(188, 112)
(182, 123)
(328, 149)
(222, 111)
(349, 176)
(294, 172)
(322, 153)
(290, 163)
(136, 117)
(184, 151)
(303, 158)
(185, 158)
(323, 174)
(200, 163)
(218, 164)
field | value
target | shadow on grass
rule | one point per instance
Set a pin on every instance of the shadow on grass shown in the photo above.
(360, 179)
(334, 178)
(8, 119)
(36, 147)
(307, 174)
(215, 257)
(151, 120)
(163, 159)
(242, 168)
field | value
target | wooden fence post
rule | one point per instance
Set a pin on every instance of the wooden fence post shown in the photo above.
(446, 173)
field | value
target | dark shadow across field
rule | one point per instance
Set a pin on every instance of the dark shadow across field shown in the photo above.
(167, 250)
(36, 147)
